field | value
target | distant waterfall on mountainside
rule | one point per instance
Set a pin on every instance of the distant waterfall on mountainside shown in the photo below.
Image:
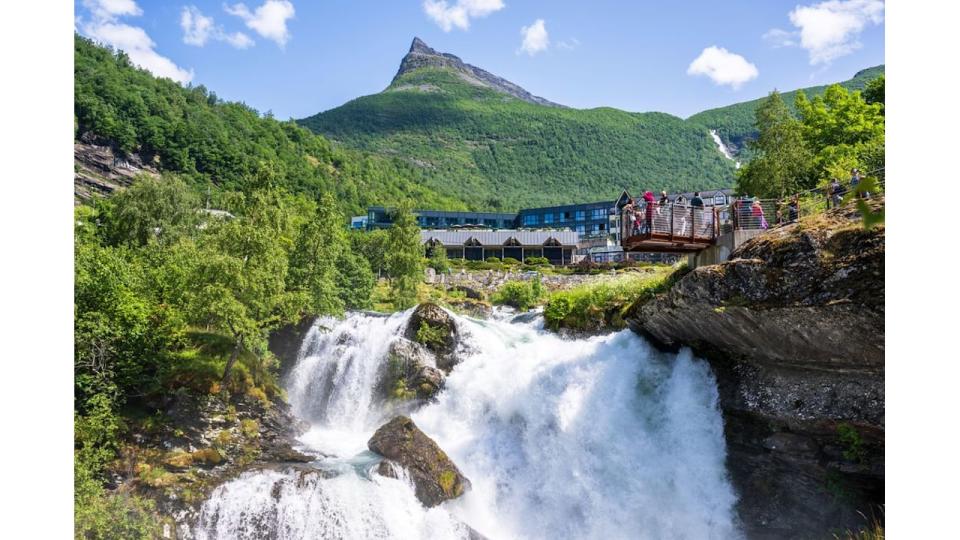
(591, 438)
(723, 148)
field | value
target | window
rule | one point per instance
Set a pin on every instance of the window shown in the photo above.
(598, 213)
(567, 216)
(603, 226)
(492, 223)
(581, 215)
(580, 228)
(530, 219)
(548, 218)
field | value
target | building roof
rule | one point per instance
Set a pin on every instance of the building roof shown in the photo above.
(499, 237)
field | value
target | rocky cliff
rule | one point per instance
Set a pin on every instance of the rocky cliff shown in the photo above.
(793, 326)
(421, 56)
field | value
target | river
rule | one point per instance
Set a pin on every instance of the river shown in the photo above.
(603, 437)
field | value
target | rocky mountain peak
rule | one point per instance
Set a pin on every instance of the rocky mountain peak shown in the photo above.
(422, 55)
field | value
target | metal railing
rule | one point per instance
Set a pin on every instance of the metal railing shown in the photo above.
(682, 223)
(670, 222)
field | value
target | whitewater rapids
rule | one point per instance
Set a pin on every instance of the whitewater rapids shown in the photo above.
(592, 438)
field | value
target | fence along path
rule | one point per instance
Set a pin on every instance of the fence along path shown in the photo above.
(684, 228)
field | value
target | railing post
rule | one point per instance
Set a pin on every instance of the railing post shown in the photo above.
(693, 224)
(671, 221)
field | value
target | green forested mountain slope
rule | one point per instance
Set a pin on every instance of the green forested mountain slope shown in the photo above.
(189, 131)
(495, 151)
(734, 123)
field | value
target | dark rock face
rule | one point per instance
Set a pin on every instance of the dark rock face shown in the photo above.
(421, 56)
(435, 477)
(285, 343)
(436, 330)
(793, 326)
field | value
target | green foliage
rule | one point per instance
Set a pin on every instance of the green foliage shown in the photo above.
(852, 442)
(158, 209)
(875, 91)
(603, 304)
(99, 514)
(536, 261)
(520, 294)
(404, 260)
(842, 130)
(505, 153)
(438, 260)
(510, 261)
(190, 131)
(781, 165)
(493, 260)
(431, 335)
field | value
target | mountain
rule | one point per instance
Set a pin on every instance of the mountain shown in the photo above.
(421, 57)
(493, 145)
(734, 123)
(128, 122)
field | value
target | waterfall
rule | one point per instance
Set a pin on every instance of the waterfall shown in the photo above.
(591, 438)
(723, 148)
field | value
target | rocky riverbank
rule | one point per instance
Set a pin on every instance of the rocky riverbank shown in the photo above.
(793, 326)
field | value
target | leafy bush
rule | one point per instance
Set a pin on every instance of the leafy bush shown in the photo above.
(520, 294)
(537, 261)
(494, 260)
(510, 261)
(431, 335)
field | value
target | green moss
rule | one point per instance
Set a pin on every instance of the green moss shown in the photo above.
(400, 391)
(446, 481)
(250, 428)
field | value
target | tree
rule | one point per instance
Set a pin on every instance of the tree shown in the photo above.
(438, 259)
(315, 261)
(842, 130)
(875, 91)
(241, 286)
(152, 209)
(404, 260)
(782, 163)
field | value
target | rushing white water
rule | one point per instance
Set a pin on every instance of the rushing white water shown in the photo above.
(592, 438)
(723, 148)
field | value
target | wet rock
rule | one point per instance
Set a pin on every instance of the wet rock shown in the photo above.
(411, 372)
(435, 477)
(793, 326)
(470, 292)
(436, 330)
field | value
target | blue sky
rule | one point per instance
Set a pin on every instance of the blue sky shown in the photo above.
(296, 58)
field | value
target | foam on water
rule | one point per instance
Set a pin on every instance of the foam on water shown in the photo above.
(591, 438)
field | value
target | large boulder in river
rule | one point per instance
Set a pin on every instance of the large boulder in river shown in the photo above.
(435, 329)
(434, 475)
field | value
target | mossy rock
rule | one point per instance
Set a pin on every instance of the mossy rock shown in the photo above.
(435, 477)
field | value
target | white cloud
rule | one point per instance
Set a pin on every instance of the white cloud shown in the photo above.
(569, 44)
(198, 29)
(535, 38)
(269, 20)
(780, 38)
(723, 67)
(829, 30)
(139, 47)
(111, 9)
(105, 27)
(459, 14)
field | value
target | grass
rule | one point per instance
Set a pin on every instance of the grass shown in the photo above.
(605, 304)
